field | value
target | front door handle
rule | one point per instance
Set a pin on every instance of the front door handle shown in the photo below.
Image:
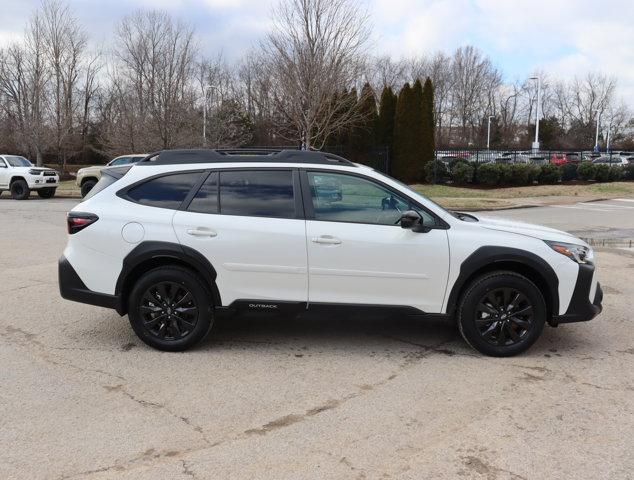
(201, 232)
(326, 239)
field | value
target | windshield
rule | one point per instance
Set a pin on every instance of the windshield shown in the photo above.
(17, 161)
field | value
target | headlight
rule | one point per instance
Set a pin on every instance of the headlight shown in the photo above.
(576, 253)
(35, 172)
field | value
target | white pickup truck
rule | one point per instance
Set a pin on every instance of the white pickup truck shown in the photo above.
(19, 176)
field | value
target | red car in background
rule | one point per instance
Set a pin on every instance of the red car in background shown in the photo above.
(563, 158)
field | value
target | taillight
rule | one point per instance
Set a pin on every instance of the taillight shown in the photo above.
(77, 221)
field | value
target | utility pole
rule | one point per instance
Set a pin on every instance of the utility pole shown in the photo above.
(205, 89)
(489, 132)
(596, 137)
(539, 87)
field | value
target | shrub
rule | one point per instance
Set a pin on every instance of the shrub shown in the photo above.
(489, 174)
(549, 174)
(569, 172)
(462, 173)
(522, 174)
(586, 171)
(628, 172)
(616, 173)
(602, 172)
(455, 161)
(442, 172)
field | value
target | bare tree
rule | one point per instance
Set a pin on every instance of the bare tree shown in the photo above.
(316, 51)
(23, 82)
(64, 43)
(155, 70)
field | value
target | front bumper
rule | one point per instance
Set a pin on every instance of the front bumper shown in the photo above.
(71, 287)
(40, 181)
(581, 309)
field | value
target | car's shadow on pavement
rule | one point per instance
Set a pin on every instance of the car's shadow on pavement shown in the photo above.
(326, 333)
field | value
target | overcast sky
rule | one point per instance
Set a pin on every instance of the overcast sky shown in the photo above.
(560, 37)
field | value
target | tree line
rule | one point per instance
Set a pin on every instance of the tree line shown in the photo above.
(309, 82)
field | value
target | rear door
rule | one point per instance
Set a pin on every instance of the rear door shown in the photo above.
(249, 224)
(359, 254)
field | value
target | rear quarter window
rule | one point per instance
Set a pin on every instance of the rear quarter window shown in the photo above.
(166, 191)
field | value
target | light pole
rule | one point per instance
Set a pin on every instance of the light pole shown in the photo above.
(489, 131)
(596, 137)
(205, 89)
(536, 142)
(607, 143)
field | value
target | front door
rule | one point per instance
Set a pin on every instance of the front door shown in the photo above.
(358, 253)
(248, 225)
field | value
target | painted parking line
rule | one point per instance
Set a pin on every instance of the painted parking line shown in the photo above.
(577, 207)
(602, 205)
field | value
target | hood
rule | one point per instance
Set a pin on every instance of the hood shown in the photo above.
(528, 229)
(94, 169)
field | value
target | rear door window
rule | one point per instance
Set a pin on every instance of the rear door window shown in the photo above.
(167, 191)
(257, 193)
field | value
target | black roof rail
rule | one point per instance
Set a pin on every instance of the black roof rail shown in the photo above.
(244, 155)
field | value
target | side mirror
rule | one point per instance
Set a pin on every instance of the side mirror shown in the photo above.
(412, 220)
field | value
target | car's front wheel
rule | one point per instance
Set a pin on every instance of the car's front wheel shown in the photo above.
(170, 308)
(87, 187)
(47, 192)
(501, 314)
(20, 190)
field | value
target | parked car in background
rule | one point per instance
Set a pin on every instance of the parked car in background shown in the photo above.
(614, 160)
(20, 176)
(513, 157)
(562, 158)
(89, 176)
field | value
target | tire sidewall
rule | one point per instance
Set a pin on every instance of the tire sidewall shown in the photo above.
(197, 289)
(47, 192)
(467, 309)
(86, 187)
(25, 190)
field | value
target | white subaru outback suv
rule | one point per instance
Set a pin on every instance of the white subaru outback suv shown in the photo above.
(19, 176)
(185, 235)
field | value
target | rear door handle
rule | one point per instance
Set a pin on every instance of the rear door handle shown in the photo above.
(326, 239)
(201, 232)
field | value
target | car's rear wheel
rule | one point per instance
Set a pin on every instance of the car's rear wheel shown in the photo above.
(47, 192)
(502, 314)
(170, 308)
(20, 190)
(87, 187)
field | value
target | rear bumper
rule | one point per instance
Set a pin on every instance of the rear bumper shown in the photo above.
(72, 288)
(581, 309)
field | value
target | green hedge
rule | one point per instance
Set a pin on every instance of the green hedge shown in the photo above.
(501, 174)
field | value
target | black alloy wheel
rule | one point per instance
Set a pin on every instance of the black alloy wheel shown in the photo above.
(170, 308)
(504, 316)
(169, 311)
(501, 313)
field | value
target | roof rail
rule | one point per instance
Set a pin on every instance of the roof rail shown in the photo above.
(244, 155)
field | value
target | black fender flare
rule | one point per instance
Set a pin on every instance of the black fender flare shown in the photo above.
(489, 258)
(158, 251)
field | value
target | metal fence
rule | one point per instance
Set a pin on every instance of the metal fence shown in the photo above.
(524, 156)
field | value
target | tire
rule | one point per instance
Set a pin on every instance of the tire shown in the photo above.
(156, 323)
(501, 314)
(87, 187)
(19, 190)
(47, 192)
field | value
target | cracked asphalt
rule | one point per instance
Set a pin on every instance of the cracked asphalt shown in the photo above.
(308, 398)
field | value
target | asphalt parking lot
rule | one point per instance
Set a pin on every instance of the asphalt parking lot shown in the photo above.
(267, 398)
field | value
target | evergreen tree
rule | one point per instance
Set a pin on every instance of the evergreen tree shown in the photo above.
(385, 122)
(428, 125)
(363, 135)
(404, 165)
